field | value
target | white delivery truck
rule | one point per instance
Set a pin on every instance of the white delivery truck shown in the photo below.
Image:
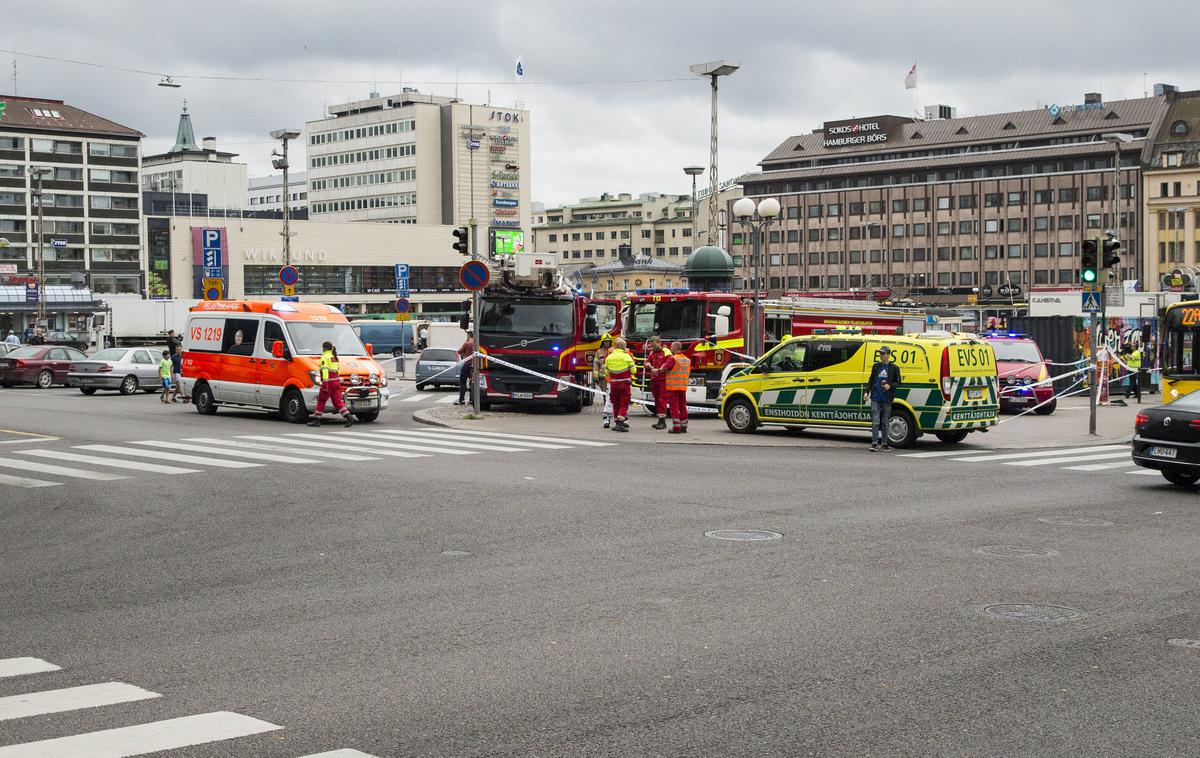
(445, 334)
(137, 322)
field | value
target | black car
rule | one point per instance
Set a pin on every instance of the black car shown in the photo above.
(1167, 439)
(65, 339)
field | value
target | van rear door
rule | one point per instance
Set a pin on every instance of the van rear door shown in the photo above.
(970, 367)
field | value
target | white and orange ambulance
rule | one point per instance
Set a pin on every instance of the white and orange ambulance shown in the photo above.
(263, 355)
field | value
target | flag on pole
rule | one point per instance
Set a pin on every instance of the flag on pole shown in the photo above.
(520, 67)
(910, 81)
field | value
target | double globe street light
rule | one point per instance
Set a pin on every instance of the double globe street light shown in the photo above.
(755, 219)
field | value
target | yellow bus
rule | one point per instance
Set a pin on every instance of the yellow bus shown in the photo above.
(1181, 350)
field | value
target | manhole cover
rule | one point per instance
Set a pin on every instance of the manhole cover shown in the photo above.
(1014, 551)
(1195, 644)
(1076, 521)
(743, 535)
(455, 553)
(1042, 614)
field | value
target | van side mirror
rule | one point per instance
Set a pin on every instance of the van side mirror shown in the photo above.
(277, 349)
(370, 348)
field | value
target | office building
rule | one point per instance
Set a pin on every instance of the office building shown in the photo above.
(264, 194)
(955, 209)
(420, 159)
(91, 206)
(1171, 195)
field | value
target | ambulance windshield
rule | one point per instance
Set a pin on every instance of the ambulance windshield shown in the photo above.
(308, 336)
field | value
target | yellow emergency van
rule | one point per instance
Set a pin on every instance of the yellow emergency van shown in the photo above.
(947, 385)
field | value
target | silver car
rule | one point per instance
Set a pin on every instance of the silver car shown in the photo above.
(125, 369)
(433, 365)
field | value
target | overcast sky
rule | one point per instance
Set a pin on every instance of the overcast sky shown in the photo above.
(802, 63)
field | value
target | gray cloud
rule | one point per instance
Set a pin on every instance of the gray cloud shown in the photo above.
(802, 63)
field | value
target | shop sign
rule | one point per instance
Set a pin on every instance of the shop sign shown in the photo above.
(501, 202)
(513, 175)
(510, 223)
(504, 117)
(505, 211)
(505, 184)
(265, 255)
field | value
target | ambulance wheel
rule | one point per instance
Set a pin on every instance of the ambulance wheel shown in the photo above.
(292, 408)
(1046, 409)
(88, 390)
(202, 396)
(367, 417)
(902, 429)
(951, 437)
(739, 416)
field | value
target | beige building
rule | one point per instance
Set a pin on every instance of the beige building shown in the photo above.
(347, 264)
(654, 225)
(420, 159)
(1171, 196)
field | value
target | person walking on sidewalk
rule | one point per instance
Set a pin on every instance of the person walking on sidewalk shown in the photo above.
(657, 358)
(331, 386)
(675, 383)
(881, 388)
(599, 379)
(619, 369)
(465, 351)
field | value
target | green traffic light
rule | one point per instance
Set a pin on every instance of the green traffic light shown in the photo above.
(1088, 276)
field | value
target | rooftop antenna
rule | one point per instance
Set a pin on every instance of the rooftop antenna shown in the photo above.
(14, 66)
(456, 82)
(400, 55)
(1145, 91)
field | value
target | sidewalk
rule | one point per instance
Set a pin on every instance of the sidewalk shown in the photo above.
(1066, 427)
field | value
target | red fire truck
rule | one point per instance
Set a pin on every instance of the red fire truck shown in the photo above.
(530, 318)
(713, 327)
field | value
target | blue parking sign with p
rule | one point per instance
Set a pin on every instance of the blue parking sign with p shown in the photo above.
(210, 245)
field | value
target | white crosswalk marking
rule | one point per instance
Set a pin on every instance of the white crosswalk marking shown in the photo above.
(73, 473)
(144, 738)
(153, 468)
(1041, 453)
(516, 438)
(24, 666)
(944, 453)
(1072, 459)
(227, 453)
(447, 399)
(70, 699)
(343, 753)
(431, 435)
(176, 457)
(415, 398)
(324, 442)
(1099, 466)
(21, 481)
(1144, 472)
(278, 449)
(365, 441)
(434, 445)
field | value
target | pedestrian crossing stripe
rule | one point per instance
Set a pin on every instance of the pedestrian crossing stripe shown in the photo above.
(1090, 458)
(119, 742)
(46, 467)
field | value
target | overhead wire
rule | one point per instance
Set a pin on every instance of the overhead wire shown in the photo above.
(286, 80)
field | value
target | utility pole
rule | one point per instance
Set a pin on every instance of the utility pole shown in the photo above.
(38, 173)
(476, 303)
(281, 162)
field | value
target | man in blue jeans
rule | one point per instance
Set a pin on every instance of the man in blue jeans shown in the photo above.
(881, 387)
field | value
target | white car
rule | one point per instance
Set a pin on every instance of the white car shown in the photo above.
(125, 369)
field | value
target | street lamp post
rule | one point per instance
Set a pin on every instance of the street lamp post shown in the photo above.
(37, 174)
(693, 171)
(712, 70)
(281, 162)
(755, 219)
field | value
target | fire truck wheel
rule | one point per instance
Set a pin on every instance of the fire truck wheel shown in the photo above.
(740, 417)
(575, 404)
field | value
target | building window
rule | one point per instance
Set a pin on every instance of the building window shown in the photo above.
(1015, 224)
(793, 211)
(1093, 221)
(1016, 198)
(793, 235)
(1041, 223)
(899, 255)
(1016, 251)
(899, 206)
(856, 209)
(814, 235)
(814, 258)
(991, 251)
(920, 230)
(920, 204)
(1066, 276)
(1066, 249)
(1041, 250)
(992, 200)
(944, 254)
(833, 256)
(945, 203)
(968, 201)
(833, 234)
(856, 256)
(1043, 197)
(966, 253)
(793, 259)
(968, 227)
(1180, 129)
(876, 256)
(898, 230)
(875, 206)
(966, 278)
(1066, 195)
(943, 228)
(991, 225)
(814, 211)
(1097, 193)
(1066, 223)
(1172, 160)
(833, 210)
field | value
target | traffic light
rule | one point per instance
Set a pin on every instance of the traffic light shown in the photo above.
(462, 245)
(1110, 259)
(1090, 262)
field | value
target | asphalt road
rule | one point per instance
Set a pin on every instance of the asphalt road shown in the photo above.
(548, 602)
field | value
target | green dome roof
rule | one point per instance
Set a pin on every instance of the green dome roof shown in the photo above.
(709, 262)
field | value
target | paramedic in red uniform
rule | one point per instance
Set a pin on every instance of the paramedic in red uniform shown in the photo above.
(677, 371)
(657, 358)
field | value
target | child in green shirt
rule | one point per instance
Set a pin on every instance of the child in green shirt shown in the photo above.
(164, 373)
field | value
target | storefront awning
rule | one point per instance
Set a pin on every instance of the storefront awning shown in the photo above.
(58, 298)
